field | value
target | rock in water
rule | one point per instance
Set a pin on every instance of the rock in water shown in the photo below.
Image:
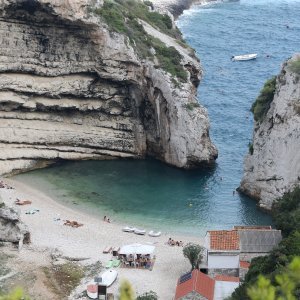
(274, 167)
(72, 89)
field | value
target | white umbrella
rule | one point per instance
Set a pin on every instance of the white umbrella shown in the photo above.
(137, 249)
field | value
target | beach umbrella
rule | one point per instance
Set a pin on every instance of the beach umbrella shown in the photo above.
(137, 249)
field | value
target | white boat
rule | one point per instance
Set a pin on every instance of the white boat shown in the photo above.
(108, 277)
(139, 231)
(92, 290)
(244, 57)
(128, 229)
(154, 233)
(105, 279)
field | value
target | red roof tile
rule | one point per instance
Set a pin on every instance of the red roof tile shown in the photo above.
(224, 240)
(227, 278)
(200, 283)
(244, 264)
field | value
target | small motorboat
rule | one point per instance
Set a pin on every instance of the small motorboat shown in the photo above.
(244, 57)
(92, 290)
(154, 233)
(128, 229)
(108, 278)
(140, 231)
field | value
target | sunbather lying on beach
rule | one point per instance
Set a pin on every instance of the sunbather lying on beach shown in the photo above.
(73, 223)
(22, 202)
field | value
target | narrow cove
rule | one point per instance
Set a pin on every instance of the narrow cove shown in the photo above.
(148, 193)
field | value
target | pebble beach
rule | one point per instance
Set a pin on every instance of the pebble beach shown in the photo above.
(87, 242)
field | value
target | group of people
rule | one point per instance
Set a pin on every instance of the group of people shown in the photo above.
(171, 242)
(106, 219)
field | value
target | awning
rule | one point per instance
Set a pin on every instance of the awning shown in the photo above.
(137, 249)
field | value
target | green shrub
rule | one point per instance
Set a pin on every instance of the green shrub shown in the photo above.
(112, 16)
(149, 3)
(262, 104)
(148, 296)
(286, 212)
(62, 279)
(122, 16)
(126, 291)
(170, 59)
(16, 294)
(294, 66)
(191, 106)
(251, 149)
(140, 10)
(286, 284)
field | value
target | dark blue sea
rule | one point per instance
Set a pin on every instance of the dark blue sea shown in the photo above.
(156, 196)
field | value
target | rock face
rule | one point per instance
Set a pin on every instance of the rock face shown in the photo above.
(274, 167)
(71, 89)
(11, 228)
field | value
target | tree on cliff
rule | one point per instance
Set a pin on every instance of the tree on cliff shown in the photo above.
(287, 282)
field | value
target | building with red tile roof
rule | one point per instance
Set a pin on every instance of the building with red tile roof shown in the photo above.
(222, 256)
(224, 240)
(195, 285)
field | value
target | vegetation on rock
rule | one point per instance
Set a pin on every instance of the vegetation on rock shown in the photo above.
(191, 106)
(262, 104)
(286, 283)
(286, 213)
(16, 294)
(62, 279)
(250, 147)
(148, 296)
(294, 66)
(123, 16)
(194, 253)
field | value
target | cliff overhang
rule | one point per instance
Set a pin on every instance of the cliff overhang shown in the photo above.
(71, 88)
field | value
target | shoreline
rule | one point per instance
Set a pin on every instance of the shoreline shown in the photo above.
(97, 212)
(89, 240)
(177, 7)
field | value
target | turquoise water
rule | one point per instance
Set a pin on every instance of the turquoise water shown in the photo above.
(151, 194)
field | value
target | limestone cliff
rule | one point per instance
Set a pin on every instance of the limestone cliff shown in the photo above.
(274, 167)
(72, 88)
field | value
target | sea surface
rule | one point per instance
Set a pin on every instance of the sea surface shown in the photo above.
(156, 196)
